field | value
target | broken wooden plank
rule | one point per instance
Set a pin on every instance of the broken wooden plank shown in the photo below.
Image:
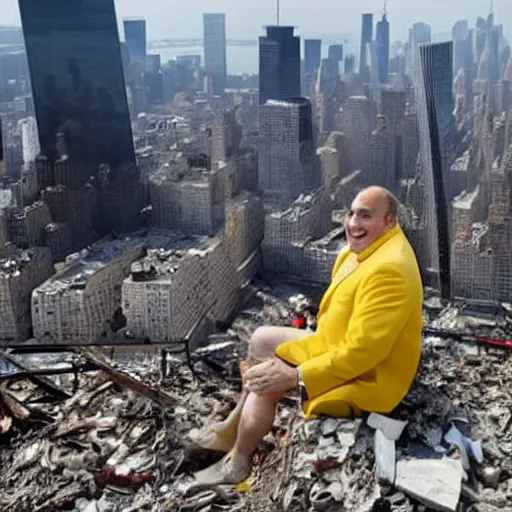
(17, 409)
(39, 380)
(104, 363)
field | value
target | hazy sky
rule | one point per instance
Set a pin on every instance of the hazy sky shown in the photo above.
(245, 18)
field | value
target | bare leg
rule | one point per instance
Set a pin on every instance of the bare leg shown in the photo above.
(221, 436)
(257, 415)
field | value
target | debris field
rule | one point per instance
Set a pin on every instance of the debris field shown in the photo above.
(107, 430)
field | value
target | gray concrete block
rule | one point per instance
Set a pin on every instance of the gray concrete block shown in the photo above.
(391, 428)
(435, 483)
(385, 458)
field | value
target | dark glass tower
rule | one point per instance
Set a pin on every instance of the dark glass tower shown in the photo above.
(312, 54)
(383, 49)
(279, 65)
(135, 37)
(77, 80)
(434, 95)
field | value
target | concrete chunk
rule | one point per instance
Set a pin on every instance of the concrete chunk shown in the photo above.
(391, 428)
(435, 483)
(385, 458)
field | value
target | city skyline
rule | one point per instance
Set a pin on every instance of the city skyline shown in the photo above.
(247, 20)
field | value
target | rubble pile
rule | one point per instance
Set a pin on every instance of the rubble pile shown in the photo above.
(114, 439)
(458, 412)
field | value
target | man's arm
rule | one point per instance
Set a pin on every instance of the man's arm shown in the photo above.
(382, 308)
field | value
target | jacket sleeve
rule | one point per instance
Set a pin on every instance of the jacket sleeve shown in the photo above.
(382, 307)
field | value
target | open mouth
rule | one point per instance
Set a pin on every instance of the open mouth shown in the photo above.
(358, 236)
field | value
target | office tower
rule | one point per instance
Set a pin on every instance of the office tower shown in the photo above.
(77, 79)
(279, 64)
(366, 38)
(135, 37)
(312, 55)
(433, 92)
(288, 165)
(336, 52)
(29, 139)
(153, 63)
(350, 64)
(421, 33)
(214, 28)
(82, 112)
(382, 39)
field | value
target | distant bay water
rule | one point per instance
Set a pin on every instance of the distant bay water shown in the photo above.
(240, 59)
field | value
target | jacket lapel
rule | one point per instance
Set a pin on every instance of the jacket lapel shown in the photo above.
(351, 263)
(346, 268)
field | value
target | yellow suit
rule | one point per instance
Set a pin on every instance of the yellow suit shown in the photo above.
(366, 350)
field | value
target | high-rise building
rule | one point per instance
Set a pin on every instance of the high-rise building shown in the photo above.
(336, 52)
(421, 33)
(288, 164)
(77, 79)
(350, 64)
(434, 96)
(135, 37)
(382, 39)
(366, 39)
(279, 64)
(214, 28)
(29, 139)
(312, 55)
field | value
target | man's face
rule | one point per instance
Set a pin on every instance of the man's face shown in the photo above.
(367, 220)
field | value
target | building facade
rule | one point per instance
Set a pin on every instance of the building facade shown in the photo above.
(135, 38)
(77, 79)
(433, 88)
(214, 27)
(279, 64)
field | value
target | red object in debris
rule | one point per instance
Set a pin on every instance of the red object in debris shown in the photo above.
(299, 322)
(326, 465)
(108, 477)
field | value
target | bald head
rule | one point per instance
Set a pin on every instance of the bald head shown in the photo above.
(383, 197)
(372, 214)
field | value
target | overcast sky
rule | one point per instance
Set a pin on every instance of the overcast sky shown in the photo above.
(245, 18)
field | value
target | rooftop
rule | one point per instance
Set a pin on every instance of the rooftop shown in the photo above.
(161, 263)
(465, 200)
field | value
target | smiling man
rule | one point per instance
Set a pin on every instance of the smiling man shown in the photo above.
(364, 355)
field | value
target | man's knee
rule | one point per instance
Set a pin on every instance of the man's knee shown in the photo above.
(263, 344)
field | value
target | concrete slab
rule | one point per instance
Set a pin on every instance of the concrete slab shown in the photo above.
(391, 428)
(435, 483)
(385, 458)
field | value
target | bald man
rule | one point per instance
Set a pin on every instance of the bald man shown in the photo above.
(363, 356)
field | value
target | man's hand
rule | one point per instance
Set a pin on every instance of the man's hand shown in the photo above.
(271, 376)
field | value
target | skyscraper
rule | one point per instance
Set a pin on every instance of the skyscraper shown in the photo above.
(135, 37)
(279, 64)
(366, 38)
(288, 165)
(434, 96)
(419, 34)
(312, 54)
(214, 28)
(77, 79)
(336, 52)
(382, 38)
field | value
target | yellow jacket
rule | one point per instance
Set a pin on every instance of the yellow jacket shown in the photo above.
(366, 350)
